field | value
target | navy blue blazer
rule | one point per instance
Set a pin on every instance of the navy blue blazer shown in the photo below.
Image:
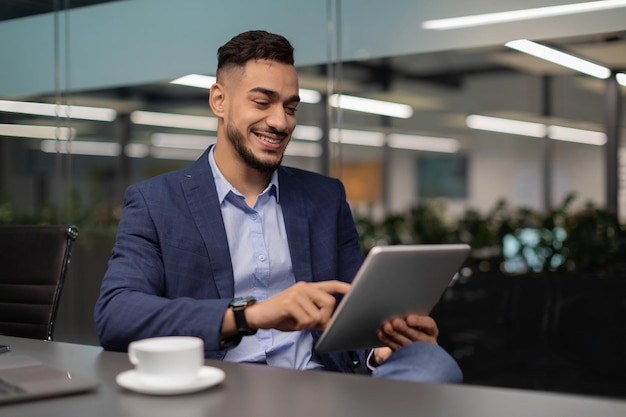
(170, 271)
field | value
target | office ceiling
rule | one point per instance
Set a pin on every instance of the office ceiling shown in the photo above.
(391, 78)
(13, 9)
(445, 68)
(388, 78)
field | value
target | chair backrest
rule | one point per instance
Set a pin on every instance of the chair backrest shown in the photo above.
(33, 264)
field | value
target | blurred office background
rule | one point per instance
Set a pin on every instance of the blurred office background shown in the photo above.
(518, 156)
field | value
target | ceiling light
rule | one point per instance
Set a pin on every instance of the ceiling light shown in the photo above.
(168, 140)
(576, 135)
(307, 132)
(195, 80)
(136, 150)
(309, 96)
(560, 58)
(206, 81)
(307, 149)
(60, 110)
(515, 127)
(525, 14)
(621, 78)
(36, 132)
(76, 147)
(172, 153)
(357, 137)
(518, 127)
(366, 105)
(423, 143)
(182, 121)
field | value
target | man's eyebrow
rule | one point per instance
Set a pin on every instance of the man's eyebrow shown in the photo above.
(274, 95)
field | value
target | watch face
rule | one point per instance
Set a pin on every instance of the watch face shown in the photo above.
(242, 301)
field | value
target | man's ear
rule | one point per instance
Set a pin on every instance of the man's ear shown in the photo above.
(216, 99)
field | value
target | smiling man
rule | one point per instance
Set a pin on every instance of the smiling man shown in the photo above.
(245, 253)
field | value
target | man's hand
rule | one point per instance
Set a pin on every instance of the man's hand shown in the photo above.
(400, 331)
(304, 305)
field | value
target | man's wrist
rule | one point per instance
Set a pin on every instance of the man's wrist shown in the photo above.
(238, 306)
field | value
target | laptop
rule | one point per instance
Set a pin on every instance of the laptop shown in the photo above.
(392, 281)
(23, 378)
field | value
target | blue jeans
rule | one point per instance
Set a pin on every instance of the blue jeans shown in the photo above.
(421, 362)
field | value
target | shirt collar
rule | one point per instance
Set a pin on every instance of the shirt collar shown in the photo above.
(224, 187)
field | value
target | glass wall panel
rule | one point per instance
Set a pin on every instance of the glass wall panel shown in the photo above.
(532, 204)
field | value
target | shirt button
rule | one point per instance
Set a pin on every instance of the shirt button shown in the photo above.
(261, 258)
(253, 216)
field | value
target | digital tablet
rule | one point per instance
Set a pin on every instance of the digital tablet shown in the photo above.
(393, 281)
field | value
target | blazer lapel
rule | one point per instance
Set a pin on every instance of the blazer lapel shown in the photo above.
(201, 195)
(296, 224)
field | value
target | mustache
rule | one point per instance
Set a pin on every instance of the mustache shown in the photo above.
(272, 131)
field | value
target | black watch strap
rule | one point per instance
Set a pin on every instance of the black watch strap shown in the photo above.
(238, 305)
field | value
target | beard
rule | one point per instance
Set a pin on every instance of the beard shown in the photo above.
(238, 141)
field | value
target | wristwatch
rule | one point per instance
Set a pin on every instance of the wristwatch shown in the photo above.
(238, 305)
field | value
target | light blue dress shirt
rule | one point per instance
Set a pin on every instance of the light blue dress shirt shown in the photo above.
(261, 262)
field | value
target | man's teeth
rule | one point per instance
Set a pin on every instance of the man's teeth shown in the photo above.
(272, 141)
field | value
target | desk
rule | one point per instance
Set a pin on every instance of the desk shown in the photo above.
(263, 391)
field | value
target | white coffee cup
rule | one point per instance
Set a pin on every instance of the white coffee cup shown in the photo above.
(167, 361)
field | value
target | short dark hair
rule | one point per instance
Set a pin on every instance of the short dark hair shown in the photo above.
(254, 44)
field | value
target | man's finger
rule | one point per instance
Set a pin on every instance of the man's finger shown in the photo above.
(333, 286)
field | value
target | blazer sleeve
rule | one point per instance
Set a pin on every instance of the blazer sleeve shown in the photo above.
(138, 299)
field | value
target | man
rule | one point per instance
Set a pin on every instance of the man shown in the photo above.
(245, 253)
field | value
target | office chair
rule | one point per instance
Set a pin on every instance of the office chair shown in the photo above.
(33, 264)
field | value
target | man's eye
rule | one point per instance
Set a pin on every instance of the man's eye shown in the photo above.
(292, 109)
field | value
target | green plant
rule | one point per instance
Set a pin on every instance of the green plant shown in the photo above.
(96, 221)
(535, 241)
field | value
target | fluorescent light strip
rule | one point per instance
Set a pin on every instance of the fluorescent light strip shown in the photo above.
(366, 105)
(423, 143)
(172, 153)
(518, 127)
(569, 134)
(560, 58)
(52, 110)
(76, 147)
(621, 78)
(195, 80)
(136, 150)
(306, 149)
(309, 96)
(525, 14)
(176, 141)
(206, 81)
(357, 137)
(36, 132)
(182, 121)
(308, 133)
(497, 124)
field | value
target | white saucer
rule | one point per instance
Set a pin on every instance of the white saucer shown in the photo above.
(207, 377)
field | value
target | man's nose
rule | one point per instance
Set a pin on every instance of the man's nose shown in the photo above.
(278, 119)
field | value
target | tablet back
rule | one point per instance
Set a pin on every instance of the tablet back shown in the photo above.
(393, 280)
